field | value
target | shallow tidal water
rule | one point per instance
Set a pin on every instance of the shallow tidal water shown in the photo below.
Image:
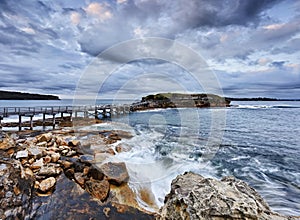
(253, 141)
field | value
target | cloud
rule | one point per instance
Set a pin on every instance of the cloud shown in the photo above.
(278, 64)
(252, 45)
(166, 19)
(75, 18)
(101, 11)
(261, 83)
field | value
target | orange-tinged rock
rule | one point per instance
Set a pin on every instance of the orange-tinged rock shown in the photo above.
(47, 184)
(98, 189)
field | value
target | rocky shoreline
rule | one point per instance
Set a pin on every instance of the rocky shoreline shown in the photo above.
(59, 175)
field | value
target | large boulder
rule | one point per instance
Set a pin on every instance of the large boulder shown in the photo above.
(195, 197)
(98, 189)
(115, 173)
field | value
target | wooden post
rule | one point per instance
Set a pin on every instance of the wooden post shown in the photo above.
(31, 122)
(44, 121)
(20, 122)
(75, 114)
(1, 118)
(62, 115)
(96, 113)
(53, 121)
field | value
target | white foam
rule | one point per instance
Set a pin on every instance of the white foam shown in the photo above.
(147, 169)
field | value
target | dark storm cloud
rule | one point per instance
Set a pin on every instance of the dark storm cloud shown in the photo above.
(169, 18)
(223, 13)
(278, 64)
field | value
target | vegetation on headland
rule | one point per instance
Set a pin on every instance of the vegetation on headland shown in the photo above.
(6, 95)
(179, 100)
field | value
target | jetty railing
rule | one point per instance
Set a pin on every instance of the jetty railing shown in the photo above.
(97, 111)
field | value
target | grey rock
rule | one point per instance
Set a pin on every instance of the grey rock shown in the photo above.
(86, 158)
(35, 152)
(195, 197)
(22, 154)
(116, 173)
(49, 171)
(37, 164)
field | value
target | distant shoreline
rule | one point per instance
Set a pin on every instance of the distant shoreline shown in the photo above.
(6, 95)
(261, 99)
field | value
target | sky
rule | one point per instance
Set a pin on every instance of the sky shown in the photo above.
(250, 48)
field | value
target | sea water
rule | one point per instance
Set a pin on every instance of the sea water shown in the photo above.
(257, 142)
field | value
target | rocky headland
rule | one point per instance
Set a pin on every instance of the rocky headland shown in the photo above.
(7, 95)
(178, 100)
(60, 175)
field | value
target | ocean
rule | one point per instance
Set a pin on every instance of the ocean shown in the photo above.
(257, 142)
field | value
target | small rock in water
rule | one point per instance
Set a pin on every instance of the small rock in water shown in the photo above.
(22, 154)
(115, 172)
(98, 189)
(122, 148)
(47, 184)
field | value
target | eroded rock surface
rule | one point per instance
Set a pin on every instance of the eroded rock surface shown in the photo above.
(195, 197)
(115, 172)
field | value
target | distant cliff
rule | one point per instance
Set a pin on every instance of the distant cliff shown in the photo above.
(179, 100)
(5, 95)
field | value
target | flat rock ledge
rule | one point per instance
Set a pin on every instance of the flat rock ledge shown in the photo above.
(195, 197)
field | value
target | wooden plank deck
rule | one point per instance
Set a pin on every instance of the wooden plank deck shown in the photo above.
(95, 111)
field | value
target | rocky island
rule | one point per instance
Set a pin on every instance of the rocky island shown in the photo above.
(6, 95)
(179, 100)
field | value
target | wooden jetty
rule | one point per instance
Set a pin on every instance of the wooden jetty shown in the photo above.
(98, 111)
